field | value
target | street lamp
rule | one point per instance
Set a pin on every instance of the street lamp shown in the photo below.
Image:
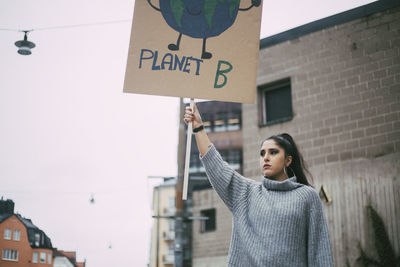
(24, 46)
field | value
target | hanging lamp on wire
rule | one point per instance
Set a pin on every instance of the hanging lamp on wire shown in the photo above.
(25, 46)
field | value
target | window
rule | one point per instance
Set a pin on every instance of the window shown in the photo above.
(171, 202)
(195, 164)
(209, 224)
(207, 122)
(171, 225)
(220, 124)
(37, 239)
(7, 234)
(49, 258)
(42, 257)
(10, 255)
(171, 249)
(17, 235)
(227, 119)
(233, 157)
(233, 121)
(35, 257)
(275, 102)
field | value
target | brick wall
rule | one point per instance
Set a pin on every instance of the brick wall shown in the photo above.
(24, 249)
(212, 244)
(345, 91)
(345, 83)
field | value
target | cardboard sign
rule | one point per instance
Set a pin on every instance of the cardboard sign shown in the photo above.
(206, 49)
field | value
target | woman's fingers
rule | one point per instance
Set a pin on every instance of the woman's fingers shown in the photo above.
(192, 115)
(189, 112)
(188, 117)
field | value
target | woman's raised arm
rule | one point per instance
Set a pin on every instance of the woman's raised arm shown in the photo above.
(228, 184)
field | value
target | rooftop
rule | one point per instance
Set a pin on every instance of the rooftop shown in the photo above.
(37, 238)
(330, 21)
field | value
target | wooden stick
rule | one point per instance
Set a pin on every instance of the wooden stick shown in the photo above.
(187, 156)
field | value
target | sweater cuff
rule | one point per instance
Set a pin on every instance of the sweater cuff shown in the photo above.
(211, 157)
(210, 147)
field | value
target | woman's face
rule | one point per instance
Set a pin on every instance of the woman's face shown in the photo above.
(272, 160)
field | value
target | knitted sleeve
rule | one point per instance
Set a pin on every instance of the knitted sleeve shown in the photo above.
(318, 243)
(229, 185)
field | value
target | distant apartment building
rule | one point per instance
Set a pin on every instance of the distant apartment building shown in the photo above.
(163, 231)
(22, 243)
(66, 259)
(334, 85)
(25, 245)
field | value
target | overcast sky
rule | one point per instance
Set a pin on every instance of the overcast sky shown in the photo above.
(68, 132)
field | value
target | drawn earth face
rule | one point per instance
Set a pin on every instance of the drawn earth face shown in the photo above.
(200, 18)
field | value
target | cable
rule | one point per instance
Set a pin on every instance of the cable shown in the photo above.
(83, 25)
(68, 192)
(11, 30)
(71, 26)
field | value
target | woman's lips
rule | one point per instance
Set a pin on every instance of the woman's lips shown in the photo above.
(266, 166)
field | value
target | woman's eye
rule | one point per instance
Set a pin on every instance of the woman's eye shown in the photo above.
(262, 153)
(273, 152)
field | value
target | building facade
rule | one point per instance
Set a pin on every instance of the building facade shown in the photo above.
(334, 85)
(163, 232)
(337, 92)
(210, 238)
(21, 242)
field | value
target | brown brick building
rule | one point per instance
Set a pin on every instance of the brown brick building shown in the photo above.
(334, 85)
(21, 242)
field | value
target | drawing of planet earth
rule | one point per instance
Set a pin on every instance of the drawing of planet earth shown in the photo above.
(200, 18)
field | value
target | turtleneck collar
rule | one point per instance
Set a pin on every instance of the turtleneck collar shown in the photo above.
(286, 185)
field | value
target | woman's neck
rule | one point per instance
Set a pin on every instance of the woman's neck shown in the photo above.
(279, 177)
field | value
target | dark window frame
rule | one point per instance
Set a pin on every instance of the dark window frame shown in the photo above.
(262, 91)
(220, 122)
(209, 225)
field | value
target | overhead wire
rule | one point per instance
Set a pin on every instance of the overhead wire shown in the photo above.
(70, 26)
(67, 192)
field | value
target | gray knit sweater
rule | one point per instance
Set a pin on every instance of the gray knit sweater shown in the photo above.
(274, 223)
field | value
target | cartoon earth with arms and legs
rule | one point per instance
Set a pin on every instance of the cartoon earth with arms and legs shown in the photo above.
(200, 18)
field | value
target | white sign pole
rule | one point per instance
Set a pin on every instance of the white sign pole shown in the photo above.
(187, 156)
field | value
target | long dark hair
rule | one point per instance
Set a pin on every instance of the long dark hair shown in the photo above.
(298, 166)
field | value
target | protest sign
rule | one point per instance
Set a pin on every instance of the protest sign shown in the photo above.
(205, 49)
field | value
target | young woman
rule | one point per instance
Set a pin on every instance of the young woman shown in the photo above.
(278, 222)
